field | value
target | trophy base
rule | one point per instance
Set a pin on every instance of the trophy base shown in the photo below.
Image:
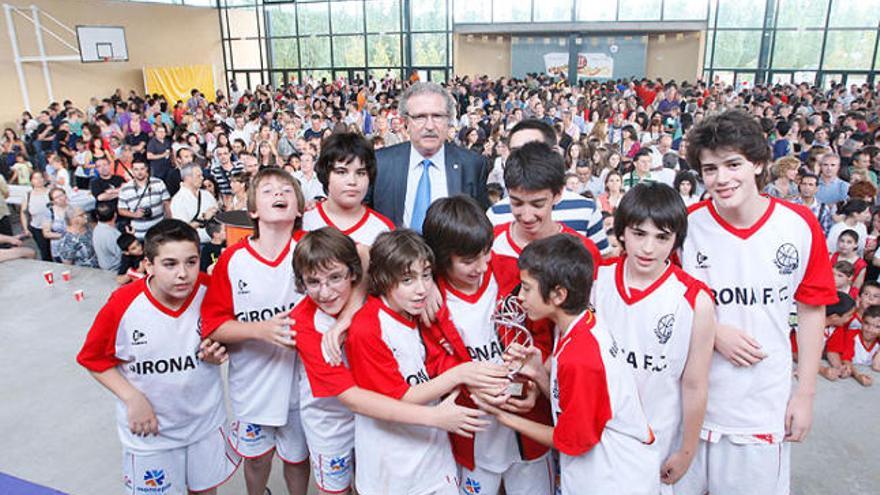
(517, 387)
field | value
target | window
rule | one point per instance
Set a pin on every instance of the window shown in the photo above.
(596, 10)
(428, 15)
(383, 16)
(429, 49)
(849, 50)
(684, 9)
(854, 13)
(737, 49)
(471, 11)
(511, 11)
(741, 13)
(553, 10)
(315, 51)
(383, 50)
(282, 20)
(801, 13)
(638, 10)
(348, 51)
(347, 17)
(797, 49)
(284, 55)
(313, 18)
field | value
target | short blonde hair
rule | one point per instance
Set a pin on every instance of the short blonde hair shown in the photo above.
(784, 164)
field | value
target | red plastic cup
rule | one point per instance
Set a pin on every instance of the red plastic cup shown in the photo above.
(49, 277)
(79, 295)
(65, 275)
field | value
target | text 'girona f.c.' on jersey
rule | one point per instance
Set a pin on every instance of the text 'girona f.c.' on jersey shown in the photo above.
(601, 431)
(388, 356)
(246, 287)
(754, 274)
(155, 349)
(653, 329)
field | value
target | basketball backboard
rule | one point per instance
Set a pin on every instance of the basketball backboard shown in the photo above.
(102, 43)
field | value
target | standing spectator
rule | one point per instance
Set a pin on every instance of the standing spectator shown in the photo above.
(316, 129)
(287, 142)
(75, 246)
(832, 189)
(5, 222)
(145, 200)
(104, 238)
(412, 175)
(191, 204)
(308, 180)
(641, 171)
(159, 153)
(784, 173)
(686, 185)
(34, 210)
(223, 170)
(138, 140)
(105, 187)
(54, 224)
(824, 212)
(856, 213)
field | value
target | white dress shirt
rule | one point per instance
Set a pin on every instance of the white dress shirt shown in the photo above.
(437, 174)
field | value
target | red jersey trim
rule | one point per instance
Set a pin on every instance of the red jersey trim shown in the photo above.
(637, 295)
(349, 230)
(394, 314)
(588, 320)
(748, 231)
(865, 345)
(273, 263)
(200, 281)
(468, 298)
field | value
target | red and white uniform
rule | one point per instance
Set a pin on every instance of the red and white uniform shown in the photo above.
(387, 355)
(328, 424)
(601, 432)
(504, 245)
(856, 350)
(833, 339)
(652, 328)
(859, 265)
(754, 274)
(364, 231)
(464, 326)
(154, 348)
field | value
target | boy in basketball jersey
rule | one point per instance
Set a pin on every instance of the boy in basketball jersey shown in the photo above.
(327, 267)
(246, 307)
(388, 355)
(758, 254)
(859, 347)
(663, 320)
(346, 169)
(471, 284)
(601, 430)
(143, 347)
(535, 177)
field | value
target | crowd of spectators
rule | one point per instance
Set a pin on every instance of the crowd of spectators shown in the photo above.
(144, 158)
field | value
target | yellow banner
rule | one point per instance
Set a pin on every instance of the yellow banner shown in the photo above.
(176, 83)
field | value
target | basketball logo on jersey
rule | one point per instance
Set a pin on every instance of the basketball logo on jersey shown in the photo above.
(472, 486)
(787, 259)
(154, 478)
(664, 328)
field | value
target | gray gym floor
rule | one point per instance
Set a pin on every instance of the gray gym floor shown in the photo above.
(59, 429)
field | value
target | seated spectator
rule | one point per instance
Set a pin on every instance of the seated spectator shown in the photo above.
(308, 180)
(807, 197)
(75, 246)
(131, 263)
(21, 171)
(11, 248)
(859, 348)
(104, 238)
(832, 189)
(856, 213)
(847, 243)
(861, 188)
(686, 185)
(191, 204)
(784, 172)
(240, 184)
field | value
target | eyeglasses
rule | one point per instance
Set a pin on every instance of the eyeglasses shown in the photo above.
(333, 282)
(422, 118)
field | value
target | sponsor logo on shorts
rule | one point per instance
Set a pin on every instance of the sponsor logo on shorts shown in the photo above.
(472, 486)
(253, 431)
(338, 465)
(154, 482)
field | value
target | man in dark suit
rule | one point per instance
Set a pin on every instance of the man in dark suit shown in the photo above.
(411, 175)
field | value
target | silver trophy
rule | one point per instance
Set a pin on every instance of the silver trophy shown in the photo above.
(509, 320)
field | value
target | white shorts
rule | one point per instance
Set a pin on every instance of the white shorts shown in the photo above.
(200, 466)
(253, 440)
(333, 472)
(725, 466)
(533, 477)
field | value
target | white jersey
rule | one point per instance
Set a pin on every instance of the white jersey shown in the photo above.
(155, 348)
(601, 432)
(856, 350)
(653, 329)
(328, 424)
(495, 448)
(387, 356)
(246, 287)
(364, 231)
(755, 274)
